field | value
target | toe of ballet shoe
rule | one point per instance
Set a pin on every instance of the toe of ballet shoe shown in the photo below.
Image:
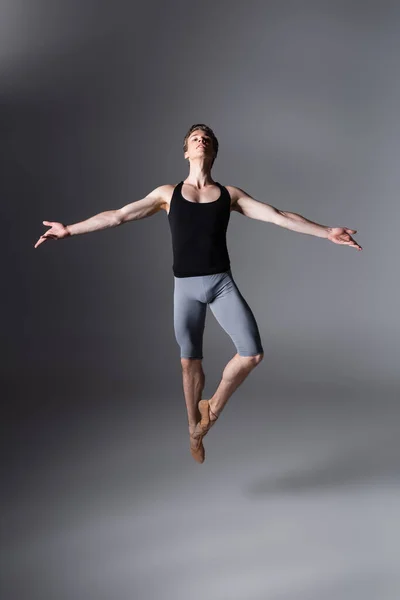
(198, 453)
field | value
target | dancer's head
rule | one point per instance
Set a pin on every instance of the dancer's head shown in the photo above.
(200, 140)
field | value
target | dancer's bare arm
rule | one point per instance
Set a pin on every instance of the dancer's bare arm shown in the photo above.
(140, 209)
(246, 205)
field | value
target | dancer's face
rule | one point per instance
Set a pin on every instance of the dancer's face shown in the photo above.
(199, 144)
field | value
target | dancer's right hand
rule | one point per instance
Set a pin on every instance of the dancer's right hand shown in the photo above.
(57, 231)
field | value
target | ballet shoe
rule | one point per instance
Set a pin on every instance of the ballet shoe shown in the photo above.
(205, 412)
(197, 449)
(196, 443)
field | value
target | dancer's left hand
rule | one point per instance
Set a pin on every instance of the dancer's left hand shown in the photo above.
(341, 235)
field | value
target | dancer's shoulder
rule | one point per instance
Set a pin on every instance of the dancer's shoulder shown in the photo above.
(164, 192)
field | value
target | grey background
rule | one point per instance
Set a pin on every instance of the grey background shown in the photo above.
(298, 496)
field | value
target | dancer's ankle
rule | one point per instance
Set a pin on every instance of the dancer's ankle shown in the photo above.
(212, 411)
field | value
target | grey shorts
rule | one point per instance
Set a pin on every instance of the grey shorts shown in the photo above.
(220, 292)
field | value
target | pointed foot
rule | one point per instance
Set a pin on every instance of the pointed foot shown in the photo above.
(208, 417)
(197, 449)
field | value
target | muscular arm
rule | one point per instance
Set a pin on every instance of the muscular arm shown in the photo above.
(244, 204)
(140, 209)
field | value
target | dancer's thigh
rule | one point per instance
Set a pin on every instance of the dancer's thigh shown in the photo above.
(189, 316)
(236, 317)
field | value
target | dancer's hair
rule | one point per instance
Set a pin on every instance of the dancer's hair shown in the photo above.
(209, 132)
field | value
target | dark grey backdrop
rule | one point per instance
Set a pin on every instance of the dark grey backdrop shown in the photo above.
(298, 495)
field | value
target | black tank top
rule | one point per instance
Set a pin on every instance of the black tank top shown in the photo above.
(198, 233)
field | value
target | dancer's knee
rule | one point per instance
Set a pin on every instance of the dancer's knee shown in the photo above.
(255, 359)
(258, 358)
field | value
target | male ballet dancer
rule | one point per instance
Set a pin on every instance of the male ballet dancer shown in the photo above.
(198, 212)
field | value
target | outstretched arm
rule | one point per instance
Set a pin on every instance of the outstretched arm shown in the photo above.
(140, 209)
(244, 204)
